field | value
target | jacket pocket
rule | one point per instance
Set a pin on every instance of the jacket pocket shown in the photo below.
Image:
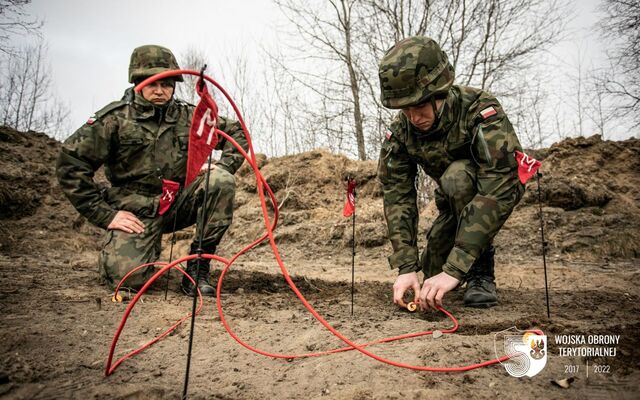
(183, 142)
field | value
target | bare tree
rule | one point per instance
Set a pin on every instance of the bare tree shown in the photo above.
(487, 41)
(328, 30)
(577, 77)
(193, 59)
(621, 28)
(14, 20)
(491, 44)
(261, 106)
(599, 111)
(26, 98)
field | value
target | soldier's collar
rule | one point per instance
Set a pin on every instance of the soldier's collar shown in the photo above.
(172, 111)
(144, 109)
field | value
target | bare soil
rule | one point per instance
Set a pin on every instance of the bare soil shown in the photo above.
(58, 321)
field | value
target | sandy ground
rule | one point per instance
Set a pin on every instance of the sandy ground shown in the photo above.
(58, 324)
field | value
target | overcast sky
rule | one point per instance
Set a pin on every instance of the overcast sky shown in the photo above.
(90, 41)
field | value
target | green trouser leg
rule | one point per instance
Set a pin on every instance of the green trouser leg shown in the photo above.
(121, 251)
(457, 189)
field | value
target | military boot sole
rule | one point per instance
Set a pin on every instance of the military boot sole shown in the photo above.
(207, 291)
(487, 304)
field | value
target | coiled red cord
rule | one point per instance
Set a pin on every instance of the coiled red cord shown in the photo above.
(269, 226)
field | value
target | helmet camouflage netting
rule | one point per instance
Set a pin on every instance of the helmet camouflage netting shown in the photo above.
(412, 71)
(150, 60)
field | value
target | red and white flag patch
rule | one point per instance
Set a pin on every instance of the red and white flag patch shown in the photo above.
(388, 135)
(488, 112)
(91, 120)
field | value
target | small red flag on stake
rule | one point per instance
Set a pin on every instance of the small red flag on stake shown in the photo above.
(350, 203)
(203, 136)
(527, 166)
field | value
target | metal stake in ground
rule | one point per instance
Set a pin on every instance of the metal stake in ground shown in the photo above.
(201, 223)
(350, 210)
(544, 243)
(173, 241)
(353, 249)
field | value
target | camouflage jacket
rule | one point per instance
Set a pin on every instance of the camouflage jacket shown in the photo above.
(139, 144)
(464, 131)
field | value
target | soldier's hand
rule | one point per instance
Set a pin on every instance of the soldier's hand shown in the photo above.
(434, 289)
(403, 283)
(127, 222)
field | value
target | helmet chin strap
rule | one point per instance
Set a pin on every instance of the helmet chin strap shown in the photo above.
(436, 112)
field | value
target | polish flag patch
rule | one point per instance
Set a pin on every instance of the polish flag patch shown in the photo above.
(388, 135)
(488, 112)
(91, 120)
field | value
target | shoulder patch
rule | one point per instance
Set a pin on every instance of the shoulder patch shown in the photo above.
(488, 112)
(182, 102)
(388, 135)
(91, 120)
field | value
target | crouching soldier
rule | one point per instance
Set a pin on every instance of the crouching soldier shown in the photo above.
(142, 140)
(460, 137)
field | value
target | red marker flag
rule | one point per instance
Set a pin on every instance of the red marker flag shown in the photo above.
(350, 203)
(168, 196)
(203, 136)
(527, 166)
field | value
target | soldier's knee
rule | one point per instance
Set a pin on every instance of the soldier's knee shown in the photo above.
(223, 181)
(458, 179)
(119, 255)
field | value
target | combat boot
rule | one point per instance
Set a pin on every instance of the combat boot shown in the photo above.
(201, 276)
(481, 286)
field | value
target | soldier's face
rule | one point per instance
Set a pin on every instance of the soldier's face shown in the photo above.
(423, 115)
(158, 92)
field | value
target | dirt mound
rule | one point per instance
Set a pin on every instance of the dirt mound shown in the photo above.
(310, 189)
(590, 191)
(34, 214)
(590, 195)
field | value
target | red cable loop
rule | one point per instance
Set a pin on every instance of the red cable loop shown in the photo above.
(262, 186)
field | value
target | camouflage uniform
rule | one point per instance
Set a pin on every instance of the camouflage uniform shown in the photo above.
(140, 144)
(469, 152)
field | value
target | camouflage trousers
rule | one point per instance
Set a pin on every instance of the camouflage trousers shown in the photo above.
(457, 188)
(121, 252)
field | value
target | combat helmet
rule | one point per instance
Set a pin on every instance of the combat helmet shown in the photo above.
(150, 60)
(414, 71)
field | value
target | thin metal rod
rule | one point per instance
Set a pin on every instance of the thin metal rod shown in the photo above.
(203, 212)
(544, 244)
(353, 254)
(173, 241)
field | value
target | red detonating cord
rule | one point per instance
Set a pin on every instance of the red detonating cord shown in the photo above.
(269, 226)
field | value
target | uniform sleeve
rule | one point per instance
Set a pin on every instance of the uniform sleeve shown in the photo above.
(397, 174)
(499, 190)
(81, 155)
(231, 158)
